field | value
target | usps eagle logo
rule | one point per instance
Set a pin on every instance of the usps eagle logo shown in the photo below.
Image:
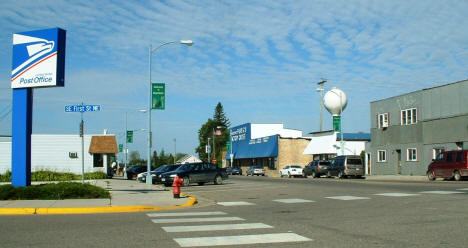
(34, 59)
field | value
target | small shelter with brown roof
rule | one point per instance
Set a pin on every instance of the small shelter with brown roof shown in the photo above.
(103, 148)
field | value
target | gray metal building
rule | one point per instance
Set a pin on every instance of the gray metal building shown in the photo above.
(409, 130)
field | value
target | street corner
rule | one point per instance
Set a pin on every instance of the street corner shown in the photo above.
(95, 210)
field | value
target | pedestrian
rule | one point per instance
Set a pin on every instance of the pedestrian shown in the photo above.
(114, 167)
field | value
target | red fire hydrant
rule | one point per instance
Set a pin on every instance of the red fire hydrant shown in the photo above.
(176, 184)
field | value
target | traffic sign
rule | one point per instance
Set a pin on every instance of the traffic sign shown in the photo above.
(129, 136)
(82, 108)
(337, 123)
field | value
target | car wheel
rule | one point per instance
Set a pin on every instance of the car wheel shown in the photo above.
(186, 181)
(456, 176)
(289, 175)
(201, 184)
(218, 180)
(314, 175)
(167, 184)
(431, 176)
(304, 175)
(329, 174)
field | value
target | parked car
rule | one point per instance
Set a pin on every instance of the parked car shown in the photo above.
(449, 165)
(291, 171)
(229, 170)
(316, 168)
(255, 170)
(155, 173)
(200, 173)
(346, 165)
(236, 171)
(133, 171)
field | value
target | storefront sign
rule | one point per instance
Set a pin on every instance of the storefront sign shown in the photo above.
(245, 147)
(38, 58)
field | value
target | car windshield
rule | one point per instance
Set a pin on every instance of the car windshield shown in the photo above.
(295, 166)
(185, 167)
(324, 163)
(166, 168)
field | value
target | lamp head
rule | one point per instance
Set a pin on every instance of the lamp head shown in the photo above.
(186, 42)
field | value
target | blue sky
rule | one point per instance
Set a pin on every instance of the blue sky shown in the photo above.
(260, 59)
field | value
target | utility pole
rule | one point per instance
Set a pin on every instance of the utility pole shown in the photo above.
(175, 150)
(321, 89)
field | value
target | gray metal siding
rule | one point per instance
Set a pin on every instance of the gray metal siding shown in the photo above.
(445, 101)
(442, 121)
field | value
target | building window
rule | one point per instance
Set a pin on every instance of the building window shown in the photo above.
(409, 116)
(97, 160)
(436, 152)
(411, 154)
(383, 120)
(382, 156)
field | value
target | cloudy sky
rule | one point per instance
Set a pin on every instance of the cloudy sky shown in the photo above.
(260, 59)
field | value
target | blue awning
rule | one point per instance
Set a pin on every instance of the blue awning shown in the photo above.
(244, 147)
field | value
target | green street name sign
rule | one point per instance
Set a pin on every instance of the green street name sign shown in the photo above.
(337, 123)
(158, 96)
(129, 136)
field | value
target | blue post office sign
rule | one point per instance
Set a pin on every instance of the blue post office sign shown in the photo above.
(38, 59)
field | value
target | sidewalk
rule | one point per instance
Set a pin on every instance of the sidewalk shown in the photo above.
(126, 196)
(395, 178)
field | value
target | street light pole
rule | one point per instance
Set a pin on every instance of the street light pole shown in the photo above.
(341, 127)
(175, 150)
(320, 89)
(150, 52)
(125, 151)
(341, 122)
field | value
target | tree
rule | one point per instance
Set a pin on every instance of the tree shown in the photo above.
(135, 158)
(207, 130)
(220, 117)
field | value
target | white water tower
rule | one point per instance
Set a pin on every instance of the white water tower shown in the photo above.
(335, 102)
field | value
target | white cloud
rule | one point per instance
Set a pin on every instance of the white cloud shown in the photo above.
(249, 54)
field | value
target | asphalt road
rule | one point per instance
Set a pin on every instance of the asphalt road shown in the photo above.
(285, 212)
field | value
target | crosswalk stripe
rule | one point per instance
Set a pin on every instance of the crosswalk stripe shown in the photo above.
(241, 239)
(396, 194)
(215, 227)
(187, 220)
(292, 200)
(463, 189)
(441, 192)
(239, 203)
(347, 198)
(185, 214)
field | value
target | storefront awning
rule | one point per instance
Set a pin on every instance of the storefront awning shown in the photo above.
(256, 148)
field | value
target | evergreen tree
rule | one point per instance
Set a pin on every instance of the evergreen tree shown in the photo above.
(208, 130)
(220, 117)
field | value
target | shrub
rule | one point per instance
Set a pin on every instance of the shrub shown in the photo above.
(6, 177)
(46, 176)
(53, 191)
(95, 175)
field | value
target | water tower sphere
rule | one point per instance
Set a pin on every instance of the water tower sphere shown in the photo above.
(332, 102)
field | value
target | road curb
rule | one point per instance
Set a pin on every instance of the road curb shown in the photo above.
(95, 210)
